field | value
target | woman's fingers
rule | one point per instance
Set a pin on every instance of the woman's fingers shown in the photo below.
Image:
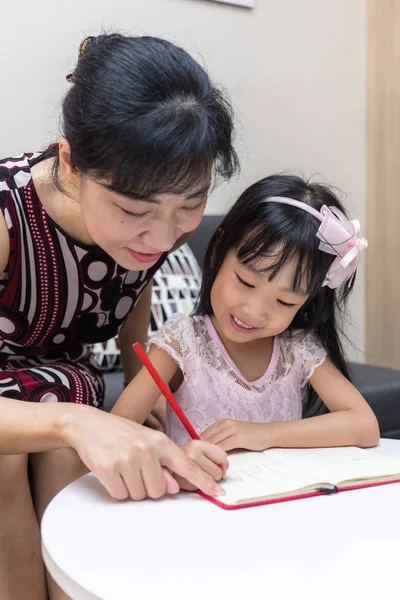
(178, 462)
(127, 457)
(172, 486)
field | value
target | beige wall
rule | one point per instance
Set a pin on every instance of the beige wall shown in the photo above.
(293, 68)
(383, 182)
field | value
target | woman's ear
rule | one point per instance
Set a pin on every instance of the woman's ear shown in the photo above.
(68, 173)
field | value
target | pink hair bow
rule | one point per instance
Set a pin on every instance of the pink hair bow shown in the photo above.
(338, 236)
(341, 237)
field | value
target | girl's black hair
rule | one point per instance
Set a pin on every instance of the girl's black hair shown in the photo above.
(142, 114)
(254, 228)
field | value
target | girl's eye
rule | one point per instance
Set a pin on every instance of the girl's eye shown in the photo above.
(287, 304)
(131, 214)
(243, 282)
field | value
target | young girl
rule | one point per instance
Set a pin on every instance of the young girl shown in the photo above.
(277, 274)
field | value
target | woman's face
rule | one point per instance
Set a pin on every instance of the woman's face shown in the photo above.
(136, 232)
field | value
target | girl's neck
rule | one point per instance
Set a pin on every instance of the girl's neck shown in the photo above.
(62, 207)
(251, 358)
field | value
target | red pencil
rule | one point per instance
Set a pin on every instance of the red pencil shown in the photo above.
(165, 391)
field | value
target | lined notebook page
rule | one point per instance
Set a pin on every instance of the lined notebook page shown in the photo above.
(253, 475)
(335, 465)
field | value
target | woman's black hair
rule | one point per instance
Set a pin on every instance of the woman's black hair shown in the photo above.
(143, 115)
(254, 228)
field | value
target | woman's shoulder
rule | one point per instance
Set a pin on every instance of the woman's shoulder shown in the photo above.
(15, 171)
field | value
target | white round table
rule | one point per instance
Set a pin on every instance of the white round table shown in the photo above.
(345, 545)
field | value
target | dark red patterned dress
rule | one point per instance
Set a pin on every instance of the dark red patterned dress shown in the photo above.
(57, 297)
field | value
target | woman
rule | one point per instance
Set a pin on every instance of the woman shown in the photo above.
(83, 227)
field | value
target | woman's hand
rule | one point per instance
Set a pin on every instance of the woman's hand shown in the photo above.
(132, 461)
(158, 417)
(232, 435)
(209, 458)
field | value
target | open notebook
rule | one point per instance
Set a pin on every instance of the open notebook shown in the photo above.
(276, 475)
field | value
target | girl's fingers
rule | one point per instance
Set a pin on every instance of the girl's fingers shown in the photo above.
(228, 444)
(208, 466)
(217, 437)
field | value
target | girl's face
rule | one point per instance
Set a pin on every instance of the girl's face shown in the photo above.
(247, 305)
(136, 232)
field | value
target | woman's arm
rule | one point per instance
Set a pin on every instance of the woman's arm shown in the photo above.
(135, 329)
(130, 460)
(4, 244)
(27, 427)
(351, 422)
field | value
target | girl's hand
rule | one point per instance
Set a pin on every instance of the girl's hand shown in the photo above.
(209, 458)
(132, 461)
(232, 435)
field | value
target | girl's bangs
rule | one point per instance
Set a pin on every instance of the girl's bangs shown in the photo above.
(282, 248)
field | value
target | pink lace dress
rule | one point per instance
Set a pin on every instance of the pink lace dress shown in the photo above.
(213, 387)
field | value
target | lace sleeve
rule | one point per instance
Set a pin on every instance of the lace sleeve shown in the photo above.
(312, 355)
(177, 338)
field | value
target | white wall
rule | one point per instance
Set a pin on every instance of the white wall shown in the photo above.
(295, 71)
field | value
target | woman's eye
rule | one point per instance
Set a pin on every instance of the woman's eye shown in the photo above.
(193, 208)
(131, 214)
(243, 282)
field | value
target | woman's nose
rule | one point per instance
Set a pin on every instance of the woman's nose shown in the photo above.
(161, 236)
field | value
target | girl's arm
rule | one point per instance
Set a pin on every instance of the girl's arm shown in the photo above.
(351, 422)
(140, 396)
